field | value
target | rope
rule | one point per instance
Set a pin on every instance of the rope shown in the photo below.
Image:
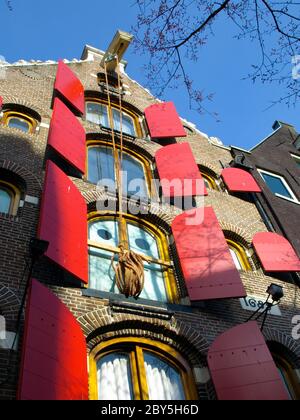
(130, 275)
(121, 143)
(129, 271)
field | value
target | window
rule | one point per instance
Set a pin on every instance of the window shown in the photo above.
(188, 129)
(20, 121)
(102, 168)
(278, 185)
(137, 368)
(9, 198)
(98, 112)
(239, 255)
(209, 182)
(287, 376)
(208, 178)
(105, 235)
(296, 160)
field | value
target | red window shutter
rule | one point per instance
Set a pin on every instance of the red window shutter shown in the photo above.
(70, 87)
(207, 265)
(54, 356)
(178, 171)
(67, 136)
(242, 367)
(163, 121)
(63, 222)
(238, 180)
(275, 252)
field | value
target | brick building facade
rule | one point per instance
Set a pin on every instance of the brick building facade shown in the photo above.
(276, 162)
(182, 330)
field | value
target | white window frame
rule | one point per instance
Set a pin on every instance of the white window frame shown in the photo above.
(296, 158)
(294, 199)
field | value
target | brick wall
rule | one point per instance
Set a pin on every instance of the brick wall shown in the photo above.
(191, 329)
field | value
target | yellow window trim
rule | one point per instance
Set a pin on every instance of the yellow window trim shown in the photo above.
(141, 159)
(134, 347)
(240, 253)
(8, 115)
(126, 111)
(164, 261)
(15, 196)
(211, 181)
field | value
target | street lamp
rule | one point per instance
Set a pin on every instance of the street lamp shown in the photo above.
(275, 292)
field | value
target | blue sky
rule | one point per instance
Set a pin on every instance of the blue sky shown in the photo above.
(57, 29)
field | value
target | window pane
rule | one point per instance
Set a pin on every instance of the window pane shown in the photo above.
(134, 177)
(154, 287)
(101, 169)
(127, 123)
(101, 166)
(97, 114)
(19, 123)
(142, 241)
(206, 182)
(101, 273)
(104, 231)
(276, 185)
(235, 258)
(5, 201)
(164, 382)
(114, 379)
(297, 160)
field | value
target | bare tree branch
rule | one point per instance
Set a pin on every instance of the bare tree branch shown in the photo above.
(202, 26)
(172, 32)
(9, 5)
(277, 24)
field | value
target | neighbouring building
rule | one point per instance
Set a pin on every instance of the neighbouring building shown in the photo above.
(275, 164)
(113, 286)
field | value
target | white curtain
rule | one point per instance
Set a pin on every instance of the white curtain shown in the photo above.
(235, 259)
(114, 379)
(164, 382)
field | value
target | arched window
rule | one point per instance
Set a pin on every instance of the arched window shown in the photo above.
(239, 255)
(288, 376)
(9, 198)
(98, 112)
(19, 120)
(104, 237)
(209, 179)
(137, 368)
(101, 167)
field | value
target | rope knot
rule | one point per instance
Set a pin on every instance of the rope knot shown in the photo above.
(130, 276)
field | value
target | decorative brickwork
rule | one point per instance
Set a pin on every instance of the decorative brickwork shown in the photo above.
(190, 329)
